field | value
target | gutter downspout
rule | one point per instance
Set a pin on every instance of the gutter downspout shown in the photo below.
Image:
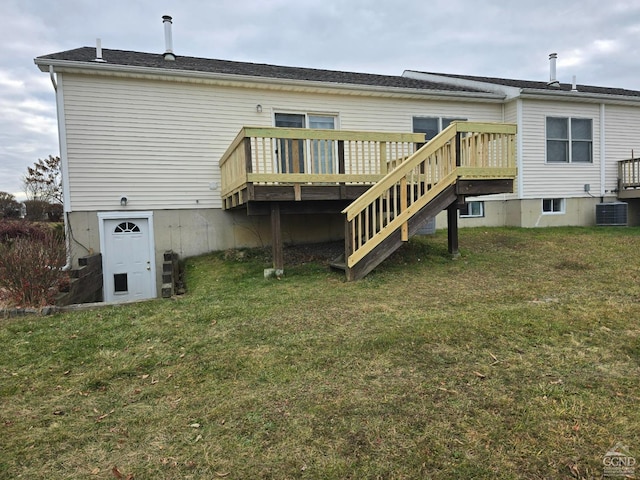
(603, 153)
(63, 156)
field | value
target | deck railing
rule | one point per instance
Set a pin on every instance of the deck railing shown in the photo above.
(464, 149)
(629, 173)
(271, 156)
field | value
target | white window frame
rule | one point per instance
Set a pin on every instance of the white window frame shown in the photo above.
(320, 165)
(569, 141)
(469, 213)
(554, 201)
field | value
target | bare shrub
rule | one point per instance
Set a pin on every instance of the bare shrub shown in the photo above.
(31, 269)
(12, 229)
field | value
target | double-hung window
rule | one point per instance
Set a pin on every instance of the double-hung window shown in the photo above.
(569, 140)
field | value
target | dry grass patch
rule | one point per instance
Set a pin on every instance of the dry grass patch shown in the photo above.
(520, 360)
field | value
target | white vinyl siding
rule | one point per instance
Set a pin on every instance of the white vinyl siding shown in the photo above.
(622, 131)
(159, 142)
(544, 179)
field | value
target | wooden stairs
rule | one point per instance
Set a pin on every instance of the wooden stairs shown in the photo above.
(466, 159)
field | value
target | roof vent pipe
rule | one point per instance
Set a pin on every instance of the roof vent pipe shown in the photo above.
(553, 82)
(168, 40)
(99, 52)
(574, 85)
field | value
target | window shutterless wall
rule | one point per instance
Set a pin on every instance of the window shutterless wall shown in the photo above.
(562, 178)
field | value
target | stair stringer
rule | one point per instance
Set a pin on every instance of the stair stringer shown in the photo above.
(390, 244)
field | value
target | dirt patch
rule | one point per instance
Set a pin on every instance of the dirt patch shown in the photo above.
(312, 252)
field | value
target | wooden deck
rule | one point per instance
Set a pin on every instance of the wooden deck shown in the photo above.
(289, 164)
(629, 178)
(386, 184)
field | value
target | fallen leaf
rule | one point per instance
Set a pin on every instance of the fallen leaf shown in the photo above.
(480, 375)
(95, 471)
(145, 376)
(104, 415)
(195, 425)
(117, 473)
(59, 413)
(222, 474)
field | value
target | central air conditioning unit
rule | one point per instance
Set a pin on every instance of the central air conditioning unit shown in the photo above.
(611, 214)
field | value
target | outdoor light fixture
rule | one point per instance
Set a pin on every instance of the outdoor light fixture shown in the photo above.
(123, 201)
(259, 108)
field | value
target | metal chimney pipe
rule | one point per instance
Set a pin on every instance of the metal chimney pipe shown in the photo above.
(168, 39)
(99, 51)
(553, 82)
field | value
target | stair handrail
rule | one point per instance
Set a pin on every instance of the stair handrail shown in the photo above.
(449, 151)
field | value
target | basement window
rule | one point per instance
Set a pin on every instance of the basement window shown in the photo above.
(473, 209)
(552, 206)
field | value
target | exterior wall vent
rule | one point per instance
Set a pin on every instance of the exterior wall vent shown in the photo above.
(611, 214)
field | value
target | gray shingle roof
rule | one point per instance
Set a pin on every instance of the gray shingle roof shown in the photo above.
(186, 64)
(534, 85)
(261, 70)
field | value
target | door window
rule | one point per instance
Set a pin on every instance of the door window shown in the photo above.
(306, 156)
(290, 153)
(322, 156)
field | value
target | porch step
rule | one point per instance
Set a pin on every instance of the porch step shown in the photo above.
(338, 263)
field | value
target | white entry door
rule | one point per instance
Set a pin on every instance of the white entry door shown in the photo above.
(128, 257)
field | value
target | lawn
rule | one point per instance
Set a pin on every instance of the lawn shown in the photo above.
(521, 359)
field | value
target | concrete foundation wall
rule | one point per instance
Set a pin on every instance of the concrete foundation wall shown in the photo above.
(528, 213)
(194, 232)
(633, 211)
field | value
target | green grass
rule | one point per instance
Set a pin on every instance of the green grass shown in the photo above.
(519, 360)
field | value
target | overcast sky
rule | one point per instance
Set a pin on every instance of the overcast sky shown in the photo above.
(597, 41)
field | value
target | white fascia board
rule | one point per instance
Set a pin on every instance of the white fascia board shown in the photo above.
(258, 82)
(580, 97)
(507, 93)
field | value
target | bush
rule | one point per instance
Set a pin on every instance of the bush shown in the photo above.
(12, 229)
(31, 269)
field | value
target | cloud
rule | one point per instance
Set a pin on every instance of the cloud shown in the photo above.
(595, 40)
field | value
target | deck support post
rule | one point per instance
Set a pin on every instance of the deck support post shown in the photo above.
(452, 229)
(276, 240)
